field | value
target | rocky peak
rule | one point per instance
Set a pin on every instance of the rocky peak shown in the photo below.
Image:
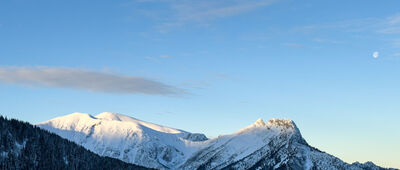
(259, 123)
(281, 123)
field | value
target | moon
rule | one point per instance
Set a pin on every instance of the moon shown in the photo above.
(375, 54)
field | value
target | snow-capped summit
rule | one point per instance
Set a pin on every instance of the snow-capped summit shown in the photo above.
(274, 123)
(110, 116)
(277, 144)
(280, 125)
(126, 138)
(259, 123)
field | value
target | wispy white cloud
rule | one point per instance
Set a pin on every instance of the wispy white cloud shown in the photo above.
(383, 29)
(395, 19)
(82, 79)
(182, 12)
(391, 25)
(207, 10)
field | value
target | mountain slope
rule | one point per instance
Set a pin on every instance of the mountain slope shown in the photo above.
(24, 146)
(277, 144)
(126, 138)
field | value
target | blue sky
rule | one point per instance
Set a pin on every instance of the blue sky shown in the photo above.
(212, 66)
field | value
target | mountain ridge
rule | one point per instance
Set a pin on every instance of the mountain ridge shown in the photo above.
(275, 144)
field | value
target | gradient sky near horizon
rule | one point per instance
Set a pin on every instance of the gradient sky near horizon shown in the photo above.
(212, 66)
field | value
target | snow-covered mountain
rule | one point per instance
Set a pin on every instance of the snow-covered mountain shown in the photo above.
(26, 147)
(276, 144)
(126, 138)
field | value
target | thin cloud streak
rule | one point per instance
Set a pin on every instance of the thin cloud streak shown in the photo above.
(391, 25)
(182, 12)
(213, 10)
(388, 25)
(82, 79)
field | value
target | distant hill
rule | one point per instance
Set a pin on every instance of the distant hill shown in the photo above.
(24, 146)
